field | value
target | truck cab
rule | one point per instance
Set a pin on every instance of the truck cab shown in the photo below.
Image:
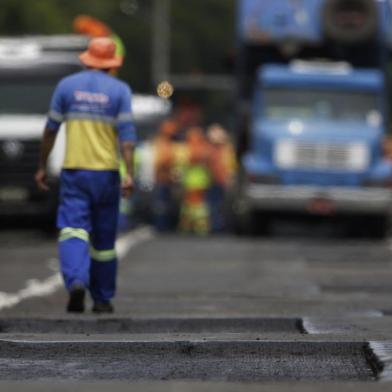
(313, 87)
(316, 142)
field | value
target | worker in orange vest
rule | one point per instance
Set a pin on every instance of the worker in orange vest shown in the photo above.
(164, 164)
(223, 166)
(194, 215)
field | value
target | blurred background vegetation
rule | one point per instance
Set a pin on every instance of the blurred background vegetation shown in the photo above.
(202, 32)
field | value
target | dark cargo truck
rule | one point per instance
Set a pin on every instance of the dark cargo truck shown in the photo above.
(30, 68)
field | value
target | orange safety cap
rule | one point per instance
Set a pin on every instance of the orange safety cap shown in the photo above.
(101, 54)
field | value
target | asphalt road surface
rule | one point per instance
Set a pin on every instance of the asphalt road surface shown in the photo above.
(305, 312)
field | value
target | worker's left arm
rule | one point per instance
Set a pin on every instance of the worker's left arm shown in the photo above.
(126, 149)
(55, 118)
(47, 144)
(127, 139)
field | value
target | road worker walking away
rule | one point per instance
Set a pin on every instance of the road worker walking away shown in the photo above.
(96, 108)
(194, 214)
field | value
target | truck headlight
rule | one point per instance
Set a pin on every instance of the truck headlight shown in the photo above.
(285, 154)
(358, 158)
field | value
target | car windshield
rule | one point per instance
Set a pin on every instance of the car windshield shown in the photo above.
(319, 105)
(26, 96)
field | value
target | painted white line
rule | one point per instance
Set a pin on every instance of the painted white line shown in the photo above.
(125, 243)
(342, 325)
(34, 288)
(42, 288)
(383, 351)
(309, 326)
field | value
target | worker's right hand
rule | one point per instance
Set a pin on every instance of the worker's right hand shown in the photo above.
(127, 186)
(40, 180)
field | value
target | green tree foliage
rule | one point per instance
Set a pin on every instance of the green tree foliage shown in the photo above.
(202, 30)
(202, 35)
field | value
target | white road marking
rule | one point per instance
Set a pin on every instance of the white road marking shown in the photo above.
(389, 243)
(383, 351)
(329, 325)
(125, 243)
(53, 264)
(41, 288)
(34, 288)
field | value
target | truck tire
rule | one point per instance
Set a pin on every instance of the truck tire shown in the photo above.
(251, 223)
(350, 22)
(376, 227)
(379, 227)
(245, 219)
(238, 217)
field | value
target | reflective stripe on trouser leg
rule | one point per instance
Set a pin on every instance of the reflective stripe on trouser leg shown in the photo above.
(103, 274)
(74, 256)
(69, 232)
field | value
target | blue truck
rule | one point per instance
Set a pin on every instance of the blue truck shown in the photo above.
(313, 111)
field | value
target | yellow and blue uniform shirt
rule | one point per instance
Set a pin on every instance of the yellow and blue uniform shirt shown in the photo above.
(96, 108)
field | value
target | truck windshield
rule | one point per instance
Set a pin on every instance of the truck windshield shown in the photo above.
(26, 96)
(319, 105)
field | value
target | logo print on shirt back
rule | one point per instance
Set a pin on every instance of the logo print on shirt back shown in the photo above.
(85, 96)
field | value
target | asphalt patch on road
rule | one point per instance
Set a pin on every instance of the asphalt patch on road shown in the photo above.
(149, 326)
(357, 288)
(246, 361)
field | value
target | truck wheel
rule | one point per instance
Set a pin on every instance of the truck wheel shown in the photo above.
(245, 219)
(370, 227)
(244, 225)
(350, 22)
(238, 218)
(252, 224)
(261, 224)
(379, 226)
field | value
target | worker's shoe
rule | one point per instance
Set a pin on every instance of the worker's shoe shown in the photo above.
(76, 299)
(103, 307)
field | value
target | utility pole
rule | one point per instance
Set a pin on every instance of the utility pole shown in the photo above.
(161, 67)
(161, 41)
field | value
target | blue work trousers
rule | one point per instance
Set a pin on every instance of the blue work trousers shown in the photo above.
(87, 219)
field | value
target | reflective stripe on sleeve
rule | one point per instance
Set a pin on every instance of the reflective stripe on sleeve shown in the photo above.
(90, 116)
(103, 255)
(69, 232)
(56, 116)
(124, 117)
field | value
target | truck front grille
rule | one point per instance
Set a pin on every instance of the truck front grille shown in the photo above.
(321, 156)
